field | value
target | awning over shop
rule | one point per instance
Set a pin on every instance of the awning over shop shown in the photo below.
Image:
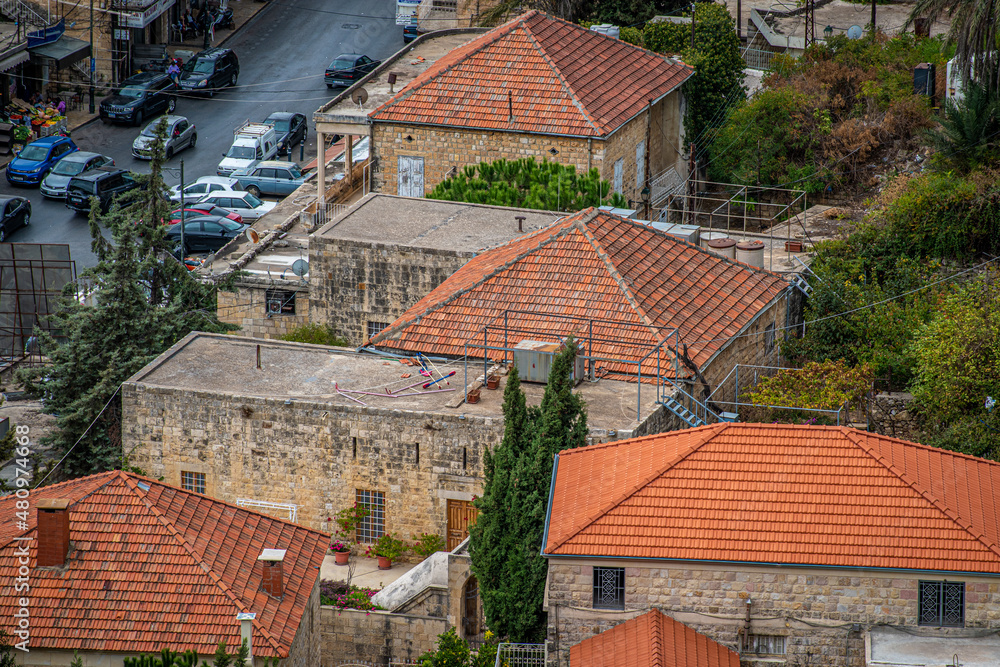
(9, 60)
(64, 51)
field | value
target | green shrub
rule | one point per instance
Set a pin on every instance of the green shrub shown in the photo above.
(426, 544)
(317, 334)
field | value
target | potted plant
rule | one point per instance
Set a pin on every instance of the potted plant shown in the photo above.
(493, 382)
(349, 518)
(341, 550)
(472, 396)
(387, 549)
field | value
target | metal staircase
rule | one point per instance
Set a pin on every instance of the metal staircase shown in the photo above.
(701, 415)
(25, 12)
(800, 282)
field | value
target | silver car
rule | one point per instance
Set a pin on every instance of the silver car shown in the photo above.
(54, 185)
(181, 134)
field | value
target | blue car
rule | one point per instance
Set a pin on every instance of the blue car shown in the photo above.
(35, 160)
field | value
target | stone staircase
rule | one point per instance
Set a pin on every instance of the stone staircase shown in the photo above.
(29, 14)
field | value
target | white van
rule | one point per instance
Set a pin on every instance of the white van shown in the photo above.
(252, 141)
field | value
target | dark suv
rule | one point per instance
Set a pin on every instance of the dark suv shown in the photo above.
(209, 71)
(141, 96)
(105, 183)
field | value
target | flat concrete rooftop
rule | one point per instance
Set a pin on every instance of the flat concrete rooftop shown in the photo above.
(430, 223)
(224, 364)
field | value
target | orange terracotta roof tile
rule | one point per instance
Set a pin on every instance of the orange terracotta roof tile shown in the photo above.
(651, 640)
(154, 566)
(636, 283)
(778, 493)
(537, 74)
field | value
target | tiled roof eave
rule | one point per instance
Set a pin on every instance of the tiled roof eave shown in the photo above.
(484, 128)
(649, 105)
(856, 568)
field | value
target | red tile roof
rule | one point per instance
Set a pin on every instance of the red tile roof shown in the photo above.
(559, 78)
(651, 640)
(156, 568)
(642, 283)
(778, 493)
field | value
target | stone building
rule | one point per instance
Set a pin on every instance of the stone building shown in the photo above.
(797, 545)
(635, 298)
(291, 427)
(117, 564)
(536, 87)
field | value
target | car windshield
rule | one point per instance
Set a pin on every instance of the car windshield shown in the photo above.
(342, 63)
(148, 131)
(68, 168)
(199, 66)
(230, 224)
(295, 171)
(245, 152)
(251, 201)
(132, 91)
(280, 126)
(86, 187)
(36, 153)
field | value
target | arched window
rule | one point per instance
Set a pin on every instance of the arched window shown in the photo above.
(473, 627)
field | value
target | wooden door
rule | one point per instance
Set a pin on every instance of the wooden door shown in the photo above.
(461, 515)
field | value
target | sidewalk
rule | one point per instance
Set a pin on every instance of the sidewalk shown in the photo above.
(243, 11)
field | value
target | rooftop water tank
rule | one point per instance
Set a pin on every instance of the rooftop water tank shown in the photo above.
(724, 246)
(751, 252)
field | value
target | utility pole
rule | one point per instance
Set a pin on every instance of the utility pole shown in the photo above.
(873, 16)
(92, 61)
(182, 213)
(692, 189)
(693, 5)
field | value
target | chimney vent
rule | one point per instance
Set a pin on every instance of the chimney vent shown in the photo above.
(520, 222)
(53, 532)
(246, 632)
(273, 580)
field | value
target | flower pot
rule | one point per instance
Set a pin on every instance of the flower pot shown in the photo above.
(492, 382)
(472, 396)
(342, 557)
(793, 246)
(384, 563)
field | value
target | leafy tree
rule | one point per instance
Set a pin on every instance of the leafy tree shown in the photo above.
(973, 31)
(970, 129)
(6, 648)
(143, 302)
(628, 12)
(317, 334)
(506, 549)
(453, 651)
(526, 183)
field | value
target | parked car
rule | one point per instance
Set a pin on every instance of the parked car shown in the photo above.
(141, 96)
(198, 210)
(203, 186)
(207, 233)
(209, 71)
(348, 68)
(54, 185)
(270, 177)
(105, 183)
(181, 134)
(15, 212)
(289, 129)
(251, 141)
(243, 203)
(36, 159)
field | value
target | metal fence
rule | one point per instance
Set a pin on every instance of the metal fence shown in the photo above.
(520, 655)
(759, 59)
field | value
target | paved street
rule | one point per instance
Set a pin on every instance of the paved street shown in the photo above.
(283, 54)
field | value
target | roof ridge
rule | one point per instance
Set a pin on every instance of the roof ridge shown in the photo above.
(172, 529)
(710, 432)
(855, 436)
(407, 91)
(559, 75)
(658, 648)
(549, 234)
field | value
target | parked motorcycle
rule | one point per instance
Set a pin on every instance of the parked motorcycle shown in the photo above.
(224, 19)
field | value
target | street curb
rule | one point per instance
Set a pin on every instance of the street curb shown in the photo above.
(249, 22)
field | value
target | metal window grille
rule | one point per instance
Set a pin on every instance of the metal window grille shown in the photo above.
(193, 481)
(768, 338)
(942, 603)
(280, 302)
(375, 328)
(765, 644)
(372, 526)
(609, 588)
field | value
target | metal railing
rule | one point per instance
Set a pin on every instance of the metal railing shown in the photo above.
(520, 655)
(759, 59)
(268, 508)
(23, 11)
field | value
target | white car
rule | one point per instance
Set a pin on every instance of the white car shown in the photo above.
(203, 186)
(243, 203)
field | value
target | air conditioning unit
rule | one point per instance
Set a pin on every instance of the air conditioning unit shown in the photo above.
(534, 361)
(274, 305)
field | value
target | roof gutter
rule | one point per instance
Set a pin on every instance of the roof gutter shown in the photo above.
(655, 100)
(772, 564)
(548, 510)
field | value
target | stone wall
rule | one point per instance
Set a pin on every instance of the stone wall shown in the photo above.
(304, 651)
(890, 415)
(815, 610)
(247, 307)
(380, 637)
(313, 455)
(354, 283)
(445, 148)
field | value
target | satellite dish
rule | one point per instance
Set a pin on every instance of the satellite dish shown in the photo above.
(855, 32)
(359, 96)
(300, 267)
(253, 236)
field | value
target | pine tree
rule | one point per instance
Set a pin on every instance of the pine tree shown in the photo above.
(144, 301)
(507, 538)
